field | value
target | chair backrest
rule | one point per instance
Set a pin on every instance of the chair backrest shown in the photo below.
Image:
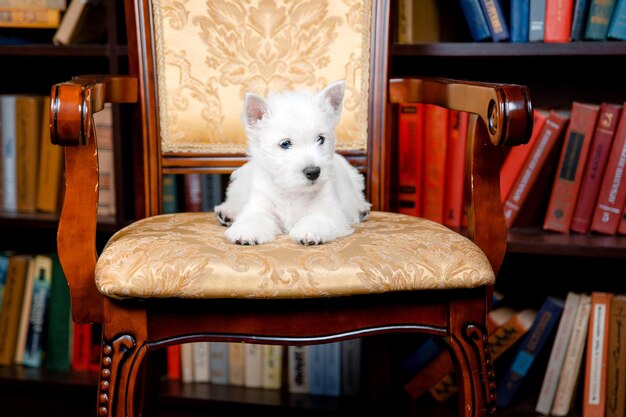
(196, 59)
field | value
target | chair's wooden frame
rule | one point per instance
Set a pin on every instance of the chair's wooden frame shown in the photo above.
(132, 329)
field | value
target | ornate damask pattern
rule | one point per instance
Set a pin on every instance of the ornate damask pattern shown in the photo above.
(186, 255)
(211, 52)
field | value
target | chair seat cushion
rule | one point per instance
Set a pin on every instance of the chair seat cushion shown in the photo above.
(186, 255)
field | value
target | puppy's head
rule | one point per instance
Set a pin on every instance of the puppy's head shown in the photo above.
(292, 135)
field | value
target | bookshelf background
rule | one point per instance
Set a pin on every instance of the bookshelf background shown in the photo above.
(537, 263)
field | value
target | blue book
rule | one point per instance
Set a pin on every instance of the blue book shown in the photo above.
(476, 20)
(325, 369)
(496, 21)
(426, 352)
(529, 348)
(4, 265)
(600, 13)
(519, 15)
(33, 351)
(218, 362)
(316, 376)
(617, 27)
(579, 18)
(536, 20)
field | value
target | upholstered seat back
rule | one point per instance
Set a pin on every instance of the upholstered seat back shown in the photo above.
(210, 53)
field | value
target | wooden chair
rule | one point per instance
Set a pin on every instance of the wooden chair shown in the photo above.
(173, 278)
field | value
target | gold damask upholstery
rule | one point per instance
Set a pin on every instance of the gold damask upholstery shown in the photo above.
(210, 53)
(186, 255)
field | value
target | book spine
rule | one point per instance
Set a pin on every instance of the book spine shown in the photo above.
(351, 367)
(298, 368)
(34, 4)
(616, 362)
(59, 320)
(410, 140)
(495, 20)
(103, 121)
(475, 18)
(28, 128)
(186, 363)
(558, 20)
(11, 307)
(530, 346)
(557, 354)
(201, 361)
(50, 171)
(571, 167)
(537, 19)
(600, 12)
(173, 363)
(405, 16)
(436, 130)
(9, 157)
(33, 351)
(332, 371)
(317, 376)
(579, 19)
(612, 195)
(272, 366)
(218, 362)
(29, 18)
(595, 167)
(519, 16)
(453, 202)
(617, 26)
(594, 394)
(253, 370)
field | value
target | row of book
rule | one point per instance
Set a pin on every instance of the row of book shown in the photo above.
(330, 369)
(35, 322)
(581, 150)
(546, 20)
(579, 340)
(57, 21)
(31, 174)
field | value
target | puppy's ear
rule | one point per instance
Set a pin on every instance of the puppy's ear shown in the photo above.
(333, 94)
(255, 108)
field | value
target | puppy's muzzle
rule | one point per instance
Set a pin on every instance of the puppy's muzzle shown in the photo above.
(312, 173)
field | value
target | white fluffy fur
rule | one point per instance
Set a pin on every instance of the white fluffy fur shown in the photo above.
(271, 194)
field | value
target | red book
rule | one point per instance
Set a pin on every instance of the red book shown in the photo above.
(436, 124)
(595, 167)
(558, 20)
(193, 192)
(455, 169)
(514, 161)
(549, 137)
(410, 121)
(610, 204)
(571, 167)
(173, 363)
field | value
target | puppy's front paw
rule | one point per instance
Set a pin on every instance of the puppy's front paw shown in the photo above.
(308, 232)
(249, 234)
(223, 216)
(363, 215)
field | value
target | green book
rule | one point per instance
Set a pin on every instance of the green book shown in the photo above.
(59, 320)
(600, 13)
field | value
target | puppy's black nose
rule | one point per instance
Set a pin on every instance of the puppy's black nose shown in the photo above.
(312, 172)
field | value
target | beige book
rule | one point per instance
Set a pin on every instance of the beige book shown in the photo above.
(236, 364)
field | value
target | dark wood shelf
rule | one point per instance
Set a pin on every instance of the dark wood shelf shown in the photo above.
(533, 240)
(50, 50)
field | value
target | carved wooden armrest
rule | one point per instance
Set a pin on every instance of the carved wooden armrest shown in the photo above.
(501, 114)
(72, 105)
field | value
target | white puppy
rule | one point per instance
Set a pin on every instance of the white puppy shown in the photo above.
(294, 182)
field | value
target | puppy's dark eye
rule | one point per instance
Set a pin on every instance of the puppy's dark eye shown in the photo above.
(285, 143)
(321, 139)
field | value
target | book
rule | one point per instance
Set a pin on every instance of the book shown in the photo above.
(192, 185)
(35, 4)
(272, 366)
(558, 20)
(566, 184)
(212, 192)
(298, 369)
(174, 372)
(579, 19)
(519, 15)
(436, 128)
(4, 266)
(617, 25)
(475, 18)
(600, 13)
(616, 359)
(548, 140)
(201, 361)
(12, 306)
(498, 27)
(570, 371)
(103, 122)
(515, 158)
(29, 18)
(24, 317)
(530, 347)
(170, 199)
(427, 350)
(218, 361)
(594, 393)
(557, 354)
(84, 21)
(9, 157)
(27, 139)
(253, 370)
(186, 363)
(33, 353)
(453, 200)
(351, 352)
(595, 167)
(50, 167)
(501, 339)
(418, 22)
(536, 20)
(612, 194)
(621, 228)
(236, 364)
(325, 377)
(410, 150)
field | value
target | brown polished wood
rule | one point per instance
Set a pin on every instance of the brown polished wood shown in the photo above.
(134, 330)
